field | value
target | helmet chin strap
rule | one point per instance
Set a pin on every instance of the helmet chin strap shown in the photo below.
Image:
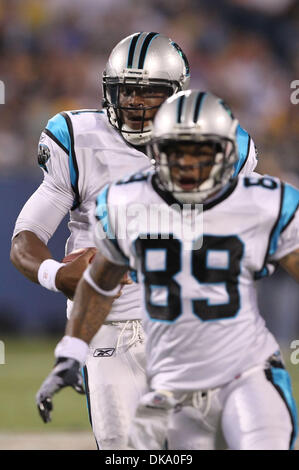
(132, 137)
(135, 137)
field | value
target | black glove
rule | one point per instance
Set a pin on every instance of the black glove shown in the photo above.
(66, 372)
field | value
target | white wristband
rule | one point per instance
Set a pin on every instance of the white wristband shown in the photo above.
(109, 293)
(47, 273)
(72, 347)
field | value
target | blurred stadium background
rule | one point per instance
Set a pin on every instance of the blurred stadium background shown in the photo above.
(52, 54)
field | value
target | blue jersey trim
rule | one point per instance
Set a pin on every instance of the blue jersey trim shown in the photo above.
(58, 127)
(133, 276)
(260, 274)
(243, 143)
(84, 374)
(281, 379)
(87, 394)
(73, 165)
(290, 202)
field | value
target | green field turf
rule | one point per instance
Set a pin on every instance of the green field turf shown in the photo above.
(28, 361)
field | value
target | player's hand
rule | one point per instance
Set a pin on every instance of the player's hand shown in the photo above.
(69, 275)
(125, 281)
(66, 372)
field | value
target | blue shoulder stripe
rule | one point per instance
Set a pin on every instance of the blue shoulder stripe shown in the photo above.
(73, 165)
(58, 128)
(243, 142)
(289, 205)
(102, 214)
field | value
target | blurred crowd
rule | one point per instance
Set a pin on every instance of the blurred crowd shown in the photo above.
(53, 52)
(52, 55)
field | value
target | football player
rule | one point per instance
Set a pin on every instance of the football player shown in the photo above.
(79, 152)
(215, 373)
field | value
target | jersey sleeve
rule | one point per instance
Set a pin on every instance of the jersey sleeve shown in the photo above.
(60, 130)
(54, 163)
(285, 236)
(247, 152)
(45, 209)
(104, 230)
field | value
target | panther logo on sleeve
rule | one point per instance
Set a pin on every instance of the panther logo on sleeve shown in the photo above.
(43, 156)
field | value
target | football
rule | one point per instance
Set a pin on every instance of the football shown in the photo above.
(74, 254)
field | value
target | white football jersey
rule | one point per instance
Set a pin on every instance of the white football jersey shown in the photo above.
(80, 152)
(198, 271)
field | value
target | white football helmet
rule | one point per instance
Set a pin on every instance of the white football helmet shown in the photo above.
(142, 60)
(196, 118)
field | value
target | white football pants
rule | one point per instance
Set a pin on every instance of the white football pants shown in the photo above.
(115, 381)
(256, 411)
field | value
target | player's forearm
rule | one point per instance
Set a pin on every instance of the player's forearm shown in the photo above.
(27, 253)
(89, 312)
(94, 297)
